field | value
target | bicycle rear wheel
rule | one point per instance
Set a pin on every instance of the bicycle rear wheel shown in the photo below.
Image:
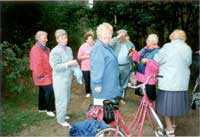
(158, 127)
(109, 132)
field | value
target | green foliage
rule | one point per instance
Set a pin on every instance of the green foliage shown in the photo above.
(139, 18)
(14, 66)
(71, 16)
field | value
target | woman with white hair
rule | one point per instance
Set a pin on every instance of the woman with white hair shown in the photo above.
(104, 67)
(62, 62)
(145, 65)
(42, 73)
(174, 59)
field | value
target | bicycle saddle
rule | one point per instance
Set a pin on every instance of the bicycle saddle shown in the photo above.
(114, 101)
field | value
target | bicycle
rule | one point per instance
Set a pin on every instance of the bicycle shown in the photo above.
(119, 127)
(195, 104)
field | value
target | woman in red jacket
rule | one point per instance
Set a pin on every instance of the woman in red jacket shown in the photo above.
(42, 73)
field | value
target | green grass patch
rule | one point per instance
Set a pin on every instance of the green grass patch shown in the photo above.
(19, 111)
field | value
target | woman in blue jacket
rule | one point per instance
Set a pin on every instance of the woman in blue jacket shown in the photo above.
(104, 67)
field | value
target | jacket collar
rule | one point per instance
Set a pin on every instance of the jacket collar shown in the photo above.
(41, 45)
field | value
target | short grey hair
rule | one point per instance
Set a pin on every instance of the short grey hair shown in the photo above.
(178, 34)
(153, 38)
(60, 33)
(103, 27)
(122, 31)
(39, 34)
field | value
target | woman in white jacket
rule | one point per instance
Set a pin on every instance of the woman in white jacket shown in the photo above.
(174, 59)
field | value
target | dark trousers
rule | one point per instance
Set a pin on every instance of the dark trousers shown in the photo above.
(46, 98)
(86, 76)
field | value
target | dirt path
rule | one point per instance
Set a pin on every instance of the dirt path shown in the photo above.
(187, 125)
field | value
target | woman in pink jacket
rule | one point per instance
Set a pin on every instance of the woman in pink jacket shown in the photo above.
(83, 57)
(145, 66)
(42, 73)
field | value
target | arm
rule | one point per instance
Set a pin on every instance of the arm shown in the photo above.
(97, 67)
(36, 62)
(113, 42)
(81, 55)
(190, 57)
(152, 67)
(56, 63)
(131, 44)
(135, 56)
(160, 57)
(150, 56)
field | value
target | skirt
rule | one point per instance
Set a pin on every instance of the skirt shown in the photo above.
(172, 103)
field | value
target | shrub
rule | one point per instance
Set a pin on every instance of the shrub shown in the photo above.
(14, 66)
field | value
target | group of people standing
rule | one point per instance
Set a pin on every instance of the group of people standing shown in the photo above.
(52, 72)
(106, 65)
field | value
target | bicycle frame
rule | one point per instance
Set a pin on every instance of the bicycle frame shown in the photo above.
(142, 112)
(119, 119)
(143, 109)
(140, 116)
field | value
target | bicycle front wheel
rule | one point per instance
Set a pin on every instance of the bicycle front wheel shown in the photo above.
(109, 132)
(158, 128)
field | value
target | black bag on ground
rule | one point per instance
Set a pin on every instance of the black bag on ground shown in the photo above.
(108, 112)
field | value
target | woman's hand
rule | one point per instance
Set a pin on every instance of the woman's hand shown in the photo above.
(98, 89)
(85, 57)
(144, 60)
(72, 63)
(131, 51)
(197, 52)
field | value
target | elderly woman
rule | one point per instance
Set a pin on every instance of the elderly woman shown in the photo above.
(145, 65)
(174, 59)
(42, 73)
(121, 47)
(104, 67)
(84, 58)
(61, 60)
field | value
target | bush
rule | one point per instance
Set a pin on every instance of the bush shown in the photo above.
(14, 66)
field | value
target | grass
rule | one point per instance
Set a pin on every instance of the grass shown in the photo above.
(19, 111)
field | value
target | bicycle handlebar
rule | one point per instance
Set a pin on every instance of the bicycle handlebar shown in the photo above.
(146, 81)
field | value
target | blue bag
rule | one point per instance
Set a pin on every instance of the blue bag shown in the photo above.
(86, 128)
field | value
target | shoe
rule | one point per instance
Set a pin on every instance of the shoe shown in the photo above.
(170, 133)
(67, 117)
(40, 111)
(174, 126)
(65, 124)
(87, 95)
(51, 114)
(122, 101)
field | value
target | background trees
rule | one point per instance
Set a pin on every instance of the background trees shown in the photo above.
(21, 20)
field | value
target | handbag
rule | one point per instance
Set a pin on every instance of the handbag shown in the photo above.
(108, 113)
(95, 112)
